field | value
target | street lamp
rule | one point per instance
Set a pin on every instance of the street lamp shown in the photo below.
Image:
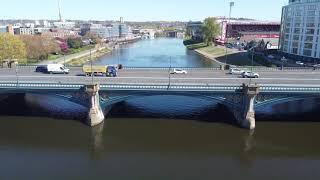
(283, 60)
(91, 67)
(231, 4)
(252, 57)
(17, 76)
(170, 73)
(64, 59)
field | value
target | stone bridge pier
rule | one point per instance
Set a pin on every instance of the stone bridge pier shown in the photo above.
(245, 116)
(95, 115)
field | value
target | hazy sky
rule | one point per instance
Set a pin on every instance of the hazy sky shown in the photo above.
(140, 10)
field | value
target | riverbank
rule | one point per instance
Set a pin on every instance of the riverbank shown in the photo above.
(102, 50)
(218, 54)
(85, 59)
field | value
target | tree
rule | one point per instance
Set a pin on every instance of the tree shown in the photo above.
(262, 45)
(210, 30)
(94, 39)
(75, 43)
(64, 47)
(39, 47)
(11, 48)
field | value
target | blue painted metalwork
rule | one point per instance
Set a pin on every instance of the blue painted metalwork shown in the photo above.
(229, 95)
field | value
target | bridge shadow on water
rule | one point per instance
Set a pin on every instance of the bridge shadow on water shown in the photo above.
(170, 107)
(30, 105)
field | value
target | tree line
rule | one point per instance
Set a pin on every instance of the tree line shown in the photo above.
(37, 48)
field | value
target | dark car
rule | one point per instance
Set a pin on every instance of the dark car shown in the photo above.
(42, 69)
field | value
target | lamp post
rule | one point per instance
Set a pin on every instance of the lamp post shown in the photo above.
(92, 74)
(17, 76)
(252, 57)
(283, 60)
(170, 73)
(64, 59)
(231, 4)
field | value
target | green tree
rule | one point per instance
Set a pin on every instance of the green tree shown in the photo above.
(75, 43)
(11, 48)
(210, 29)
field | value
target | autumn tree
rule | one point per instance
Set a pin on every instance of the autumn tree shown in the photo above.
(11, 48)
(93, 37)
(210, 30)
(39, 47)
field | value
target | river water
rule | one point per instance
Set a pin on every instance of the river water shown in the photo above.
(160, 137)
(156, 53)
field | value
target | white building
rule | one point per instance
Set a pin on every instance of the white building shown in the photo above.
(23, 30)
(300, 30)
(64, 25)
(114, 31)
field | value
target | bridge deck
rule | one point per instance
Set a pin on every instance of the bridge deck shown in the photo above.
(196, 79)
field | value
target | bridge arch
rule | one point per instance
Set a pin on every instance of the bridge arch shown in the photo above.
(227, 99)
(270, 100)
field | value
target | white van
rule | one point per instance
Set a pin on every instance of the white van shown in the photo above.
(57, 69)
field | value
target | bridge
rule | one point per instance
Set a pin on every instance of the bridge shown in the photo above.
(241, 96)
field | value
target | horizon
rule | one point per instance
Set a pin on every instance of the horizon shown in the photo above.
(108, 20)
(97, 10)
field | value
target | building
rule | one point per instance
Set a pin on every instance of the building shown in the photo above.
(64, 25)
(23, 30)
(194, 29)
(300, 30)
(246, 30)
(116, 30)
(59, 33)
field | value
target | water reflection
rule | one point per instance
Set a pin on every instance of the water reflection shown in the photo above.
(152, 148)
(97, 141)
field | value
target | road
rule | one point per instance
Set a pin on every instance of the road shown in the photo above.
(150, 76)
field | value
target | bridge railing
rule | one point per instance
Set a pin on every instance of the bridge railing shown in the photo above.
(292, 89)
(202, 87)
(278, 68)
(178, 87)
(39, 85)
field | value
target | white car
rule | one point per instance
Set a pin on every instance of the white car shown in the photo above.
(249, 74)
(179, 71)
(299, 63)
(236, 71)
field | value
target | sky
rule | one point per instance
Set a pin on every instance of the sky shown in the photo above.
(140, 10)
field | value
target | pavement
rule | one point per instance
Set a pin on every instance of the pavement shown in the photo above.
(151, 76)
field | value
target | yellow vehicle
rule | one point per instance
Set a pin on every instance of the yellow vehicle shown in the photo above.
(100, 70)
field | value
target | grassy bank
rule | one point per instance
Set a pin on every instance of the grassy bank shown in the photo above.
(196, 46)
(86, 59)
(218, 54)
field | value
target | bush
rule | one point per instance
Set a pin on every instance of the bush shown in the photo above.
(75, 43)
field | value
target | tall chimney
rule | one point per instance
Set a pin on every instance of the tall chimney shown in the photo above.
(60, 15)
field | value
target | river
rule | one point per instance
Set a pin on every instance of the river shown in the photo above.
(156, 53)
(160, 137)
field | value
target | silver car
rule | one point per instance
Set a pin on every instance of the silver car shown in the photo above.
(249, 74)
(236, 71)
